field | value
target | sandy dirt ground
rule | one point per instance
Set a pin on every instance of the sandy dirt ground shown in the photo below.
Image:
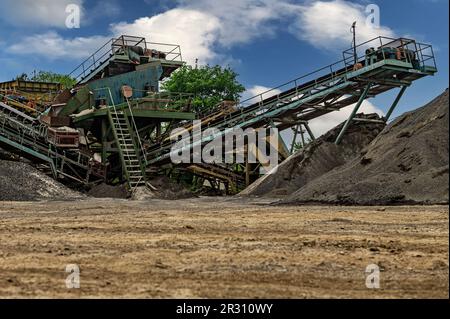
(221, 248)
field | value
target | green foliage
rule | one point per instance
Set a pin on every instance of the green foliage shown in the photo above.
(209, 84)
(22, 77)
(47, 76)
(297, 147)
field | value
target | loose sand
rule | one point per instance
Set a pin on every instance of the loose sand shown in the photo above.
(221, 247)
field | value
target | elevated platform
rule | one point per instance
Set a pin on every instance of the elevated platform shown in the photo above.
(163, 115)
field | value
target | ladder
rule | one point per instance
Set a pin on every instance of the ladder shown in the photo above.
(132, 166)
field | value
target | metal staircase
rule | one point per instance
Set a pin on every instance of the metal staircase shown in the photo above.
(94, 63)
(129, 149)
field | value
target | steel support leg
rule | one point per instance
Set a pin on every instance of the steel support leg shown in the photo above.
(104, 130)
(294, 139)
(247, 167)
(394, 105)
(352, 115)
(302, 134)
(311, 135)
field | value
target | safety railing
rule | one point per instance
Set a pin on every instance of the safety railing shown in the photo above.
(426, 53)
(128, 41)
(407, 50)
(330, 72)
(165, 101)
(93, 61)
(170, 52)
(136, 132)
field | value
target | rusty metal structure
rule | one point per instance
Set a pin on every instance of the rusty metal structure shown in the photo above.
(114, 125)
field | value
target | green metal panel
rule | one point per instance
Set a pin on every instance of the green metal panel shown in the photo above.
(138, 80)
(79, 102)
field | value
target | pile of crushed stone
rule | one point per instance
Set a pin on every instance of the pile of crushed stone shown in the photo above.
(318, 158)
(164, 189)
(408, 163)
(20, 181)
(109, 191)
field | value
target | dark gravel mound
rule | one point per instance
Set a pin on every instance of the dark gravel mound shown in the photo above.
(318, 158)
(168, 189)
(109, 191)
(406, 164)
(22, 182)
(165, 189)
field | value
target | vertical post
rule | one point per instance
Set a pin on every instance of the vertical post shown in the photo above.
(247, 167)
(302, 136)
(394, 105)
(309, 131)
(352, 115)
(158, 129)
(104, 139)
(355, 55)
(294, 139)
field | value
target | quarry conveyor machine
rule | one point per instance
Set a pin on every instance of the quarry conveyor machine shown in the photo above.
(124, 121)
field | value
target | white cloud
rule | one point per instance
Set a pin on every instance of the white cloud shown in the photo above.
(257, 92)
(241, 21)
(326, 24)
(206, 29)
(323, 124)
(265, 91)
(54, 46)
(42, 13)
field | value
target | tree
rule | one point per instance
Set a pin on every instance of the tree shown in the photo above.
(209, 85)
(48, 76)
(22, 77)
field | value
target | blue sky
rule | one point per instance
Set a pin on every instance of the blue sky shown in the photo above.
(267, 42)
